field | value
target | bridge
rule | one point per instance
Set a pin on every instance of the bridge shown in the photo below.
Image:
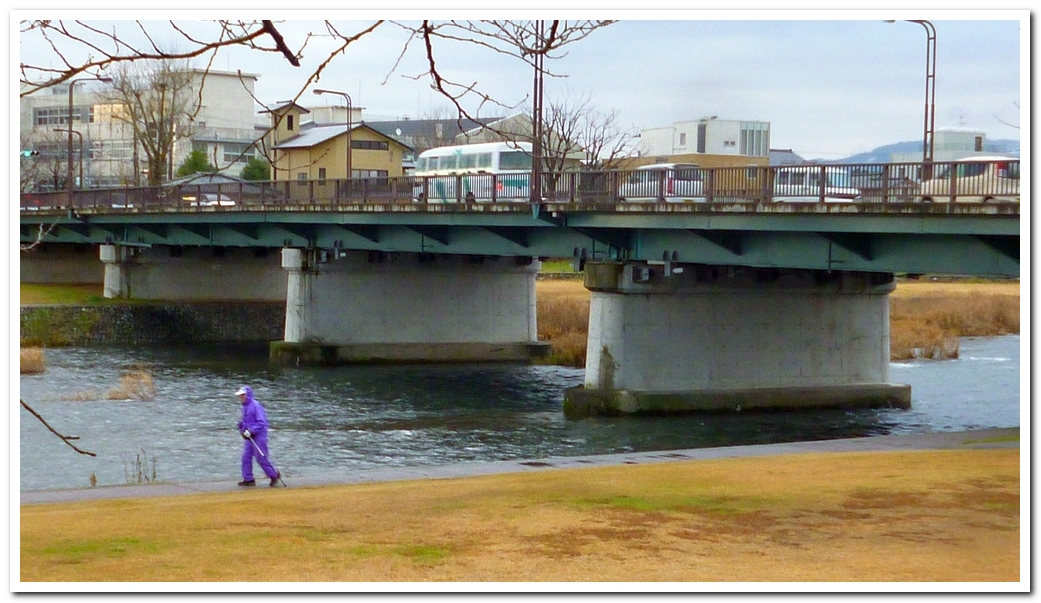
(744, 296)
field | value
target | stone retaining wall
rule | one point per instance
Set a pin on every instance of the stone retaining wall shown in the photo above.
(134, 324)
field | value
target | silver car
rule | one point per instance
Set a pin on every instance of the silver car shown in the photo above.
(672, 182)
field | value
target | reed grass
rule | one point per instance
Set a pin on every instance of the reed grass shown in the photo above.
(31, 361)
(927, 319)
(136, 383)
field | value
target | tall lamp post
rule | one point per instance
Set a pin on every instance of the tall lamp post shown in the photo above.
(930, 96)
(81, 149)
(538, 59)
(350, 109)
(69, 185)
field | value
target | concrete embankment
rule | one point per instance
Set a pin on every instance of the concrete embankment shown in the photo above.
(137, 323)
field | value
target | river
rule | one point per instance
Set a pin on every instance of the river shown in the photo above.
(336, 419)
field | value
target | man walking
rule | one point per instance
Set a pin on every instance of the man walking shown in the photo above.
(253, 428)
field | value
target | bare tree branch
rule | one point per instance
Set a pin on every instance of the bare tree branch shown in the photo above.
(280, 43)
(63, 438)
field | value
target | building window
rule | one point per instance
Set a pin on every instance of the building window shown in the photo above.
(979, 144)
(755, 139)
(321, 175)
(289, 122)
(58, 116)
(683, 139)
(301, 178)
(369, 173)
(371, 145)
(236, 151)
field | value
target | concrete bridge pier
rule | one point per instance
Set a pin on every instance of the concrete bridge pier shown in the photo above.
(668, 337)
(357, 306)
(116, 283)
(190, 274)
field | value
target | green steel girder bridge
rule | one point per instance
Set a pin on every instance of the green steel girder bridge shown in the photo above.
(886, 231)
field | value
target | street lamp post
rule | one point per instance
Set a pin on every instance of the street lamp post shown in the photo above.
(350, 109)
(68, 174)
(930, 96)
(81, 150)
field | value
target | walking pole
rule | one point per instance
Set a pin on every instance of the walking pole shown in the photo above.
(261, 453)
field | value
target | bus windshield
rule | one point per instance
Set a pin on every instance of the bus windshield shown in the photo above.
(514, 160)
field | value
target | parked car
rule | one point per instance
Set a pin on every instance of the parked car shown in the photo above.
(208, 200)
(973, 180)
(672, 182)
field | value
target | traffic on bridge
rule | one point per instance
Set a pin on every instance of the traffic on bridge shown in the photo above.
(991, 184)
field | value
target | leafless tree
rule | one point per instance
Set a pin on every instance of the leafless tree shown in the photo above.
(576, 131)
(156, 99)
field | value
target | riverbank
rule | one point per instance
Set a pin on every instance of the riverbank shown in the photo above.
(927, 318)
(938, 508)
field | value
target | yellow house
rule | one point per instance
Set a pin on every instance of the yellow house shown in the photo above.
(309, 151)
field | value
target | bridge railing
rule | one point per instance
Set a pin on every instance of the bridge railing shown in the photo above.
(983, 180)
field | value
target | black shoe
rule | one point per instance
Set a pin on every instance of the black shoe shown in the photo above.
(274, 480)
(248, 482)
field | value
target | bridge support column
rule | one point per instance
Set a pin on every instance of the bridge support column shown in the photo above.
(351, 307)
(670, 337)
(116, 283)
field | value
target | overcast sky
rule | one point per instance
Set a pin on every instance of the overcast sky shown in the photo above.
(831, 83)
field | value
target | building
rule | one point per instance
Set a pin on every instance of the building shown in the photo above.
(305, 150)
(949, 144)
(223, 125)
(786, 157)
(709, 142)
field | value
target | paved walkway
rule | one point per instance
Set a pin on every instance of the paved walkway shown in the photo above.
(985, 438)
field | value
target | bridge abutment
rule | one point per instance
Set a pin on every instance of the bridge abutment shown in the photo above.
(355, 306)
(668, 337)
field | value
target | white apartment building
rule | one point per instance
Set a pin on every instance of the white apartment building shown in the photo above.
(709, 136)
(104, 154)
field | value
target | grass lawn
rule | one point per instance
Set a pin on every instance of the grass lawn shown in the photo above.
(61, 294)
(906, 516)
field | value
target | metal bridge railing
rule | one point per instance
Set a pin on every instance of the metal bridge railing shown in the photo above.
(975, 181)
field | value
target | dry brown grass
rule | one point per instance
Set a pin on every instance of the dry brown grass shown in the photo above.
(135, 383)
(926, 318)
(875, 517)
(31, 361)
(926, 321)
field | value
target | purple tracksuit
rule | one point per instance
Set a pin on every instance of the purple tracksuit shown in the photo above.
(255, 420)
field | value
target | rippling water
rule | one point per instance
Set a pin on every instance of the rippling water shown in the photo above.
(343, 418)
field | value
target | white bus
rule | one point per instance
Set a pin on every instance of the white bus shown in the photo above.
(474, 172)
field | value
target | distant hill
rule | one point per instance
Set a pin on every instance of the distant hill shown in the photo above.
(881, 154)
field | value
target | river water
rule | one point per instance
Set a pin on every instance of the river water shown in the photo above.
(335, 419)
